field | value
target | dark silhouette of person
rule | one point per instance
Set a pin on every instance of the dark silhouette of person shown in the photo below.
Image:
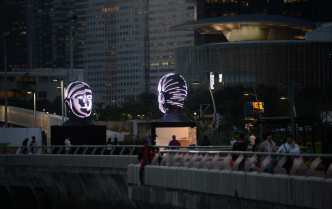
(25, 146)
(240, 145)
(206, 142)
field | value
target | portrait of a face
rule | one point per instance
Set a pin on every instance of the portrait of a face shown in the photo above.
(79, 99)
(172, 92)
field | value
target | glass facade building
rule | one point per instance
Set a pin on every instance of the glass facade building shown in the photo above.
(162, 40)
(112, 47)
(270, 63)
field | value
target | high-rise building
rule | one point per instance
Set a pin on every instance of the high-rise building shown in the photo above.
(13, 19)
(39, 33)
(113, 47)
(163, 15)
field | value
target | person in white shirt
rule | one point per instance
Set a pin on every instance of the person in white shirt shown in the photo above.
(232, 142)
(289, 147)
(67, 144)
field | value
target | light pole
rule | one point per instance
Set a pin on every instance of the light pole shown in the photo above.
(5, 35)
(291, 107)
(64, 90)
(34, 106)
(62, 99)
(71, 17)
(259, 109)
(214, 109)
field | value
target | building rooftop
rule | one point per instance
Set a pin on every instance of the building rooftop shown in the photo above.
(251, 27)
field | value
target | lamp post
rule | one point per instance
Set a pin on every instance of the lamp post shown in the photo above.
(214, 109)
(291, 107)
(62, 99)
(64, 90)
(5, 35)
(259, 109)
(71, 17)
(34, 106)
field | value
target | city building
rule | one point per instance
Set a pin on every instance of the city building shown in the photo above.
(163, 15)
(44, 81)
(242, 48)
(113, 47)
(38, 33)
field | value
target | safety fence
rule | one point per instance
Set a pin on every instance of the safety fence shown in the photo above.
(210, 157)
(97, 149)
(318, 165)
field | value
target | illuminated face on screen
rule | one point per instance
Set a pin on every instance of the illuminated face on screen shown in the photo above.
(172, 90)
(79, 99)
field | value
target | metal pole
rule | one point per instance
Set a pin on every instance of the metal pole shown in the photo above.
(259, 115)
(5, 63)
(71, 50)
(215, 115)
(34, 108)
(64, 90)
(62, 105)
(291, 89)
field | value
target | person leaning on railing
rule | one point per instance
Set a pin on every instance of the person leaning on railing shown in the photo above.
(289, 147)
(146, 156)
(268, 145)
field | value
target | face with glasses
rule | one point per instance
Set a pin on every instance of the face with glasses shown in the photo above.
(79, 99)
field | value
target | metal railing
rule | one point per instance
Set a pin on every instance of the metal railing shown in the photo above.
(317, 165)
(210, 157)
(97, 149)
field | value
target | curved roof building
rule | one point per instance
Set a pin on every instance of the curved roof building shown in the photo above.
(258, 49)
(251, 27)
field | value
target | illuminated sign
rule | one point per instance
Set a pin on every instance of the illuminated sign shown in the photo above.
(251, 108)
(79, 99)
(172, 90)
(255, 106)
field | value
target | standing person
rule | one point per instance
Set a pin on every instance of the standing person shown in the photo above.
(174, 142)
(115, 142)
(232, 142)
(146, 155)
(252, 139)
(240, 145)
(267, 146)
(206, 142)
(25, 146)
(133, 140)
(290, 146)
(67, 144)
(109, 145)
(33, 145)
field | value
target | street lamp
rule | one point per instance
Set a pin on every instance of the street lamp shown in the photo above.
(71, 17)
(62, 99)
(5, 35)
(292, 106)
(259, 108)
(34, 105)
(214, 108)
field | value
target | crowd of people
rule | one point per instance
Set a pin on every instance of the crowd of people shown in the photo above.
(241, 144)
(269, 146)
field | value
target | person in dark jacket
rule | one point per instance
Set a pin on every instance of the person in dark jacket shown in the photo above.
(206, 142)
(146, 156)
(240, 145)
(25, 146)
